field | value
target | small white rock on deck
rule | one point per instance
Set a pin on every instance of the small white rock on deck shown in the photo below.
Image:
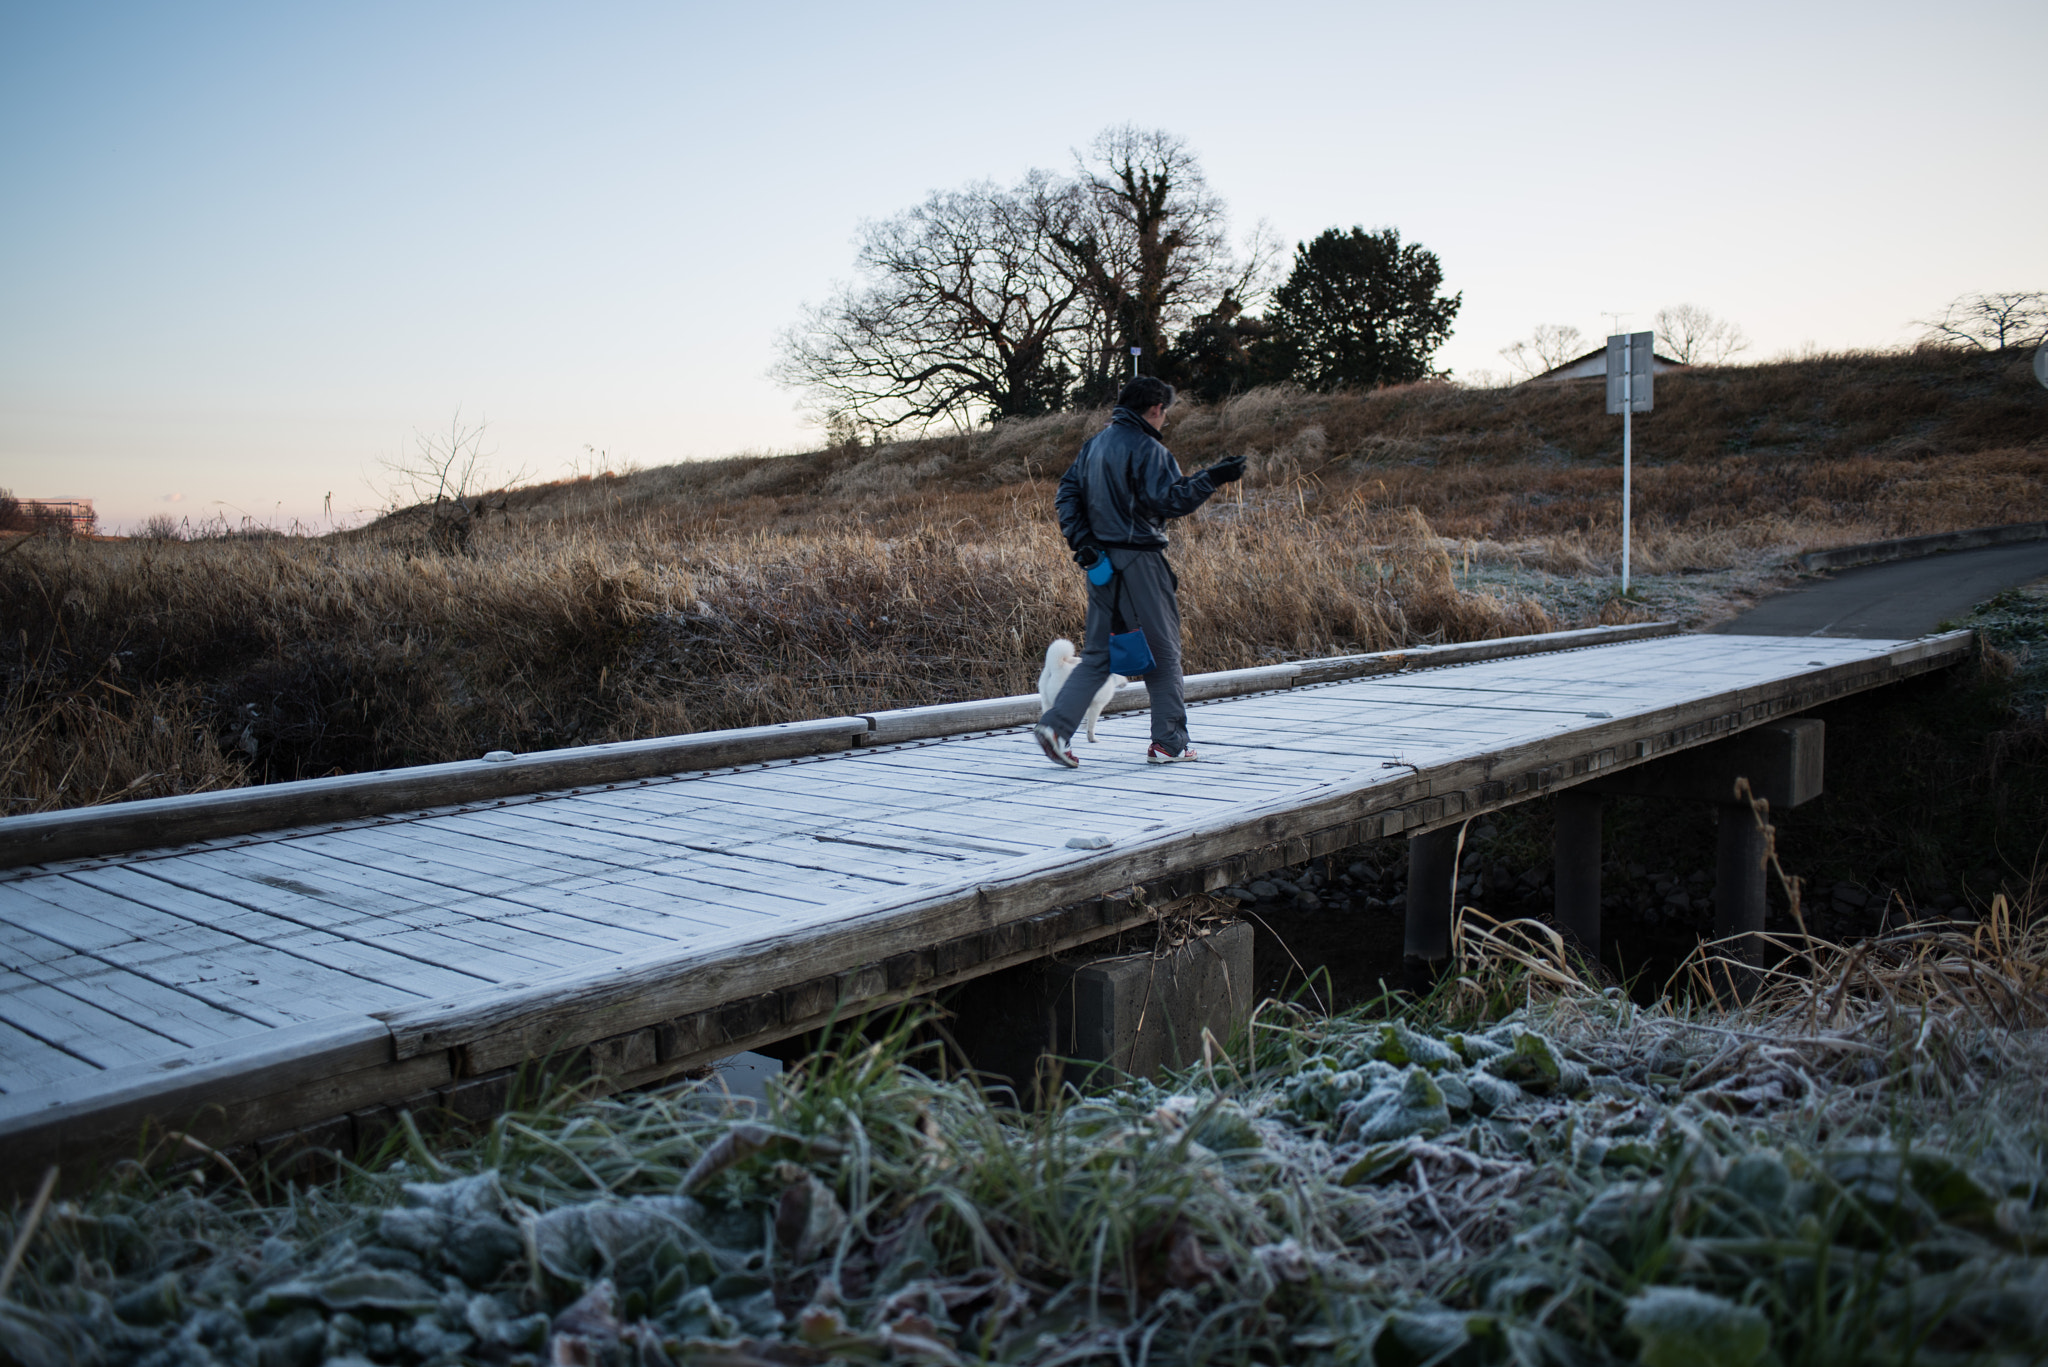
(112, 963)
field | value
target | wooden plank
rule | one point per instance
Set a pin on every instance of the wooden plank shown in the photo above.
(505, 943)
(277, 988)
(383, 925)
(592, 881)
(27, 1063)
(79, 1028)
(428, 839)
(928, 777)
(552, 935)
(84, 1111)
(783, 856)
(189, 1019)
(601, 927)
(432, 862)
(1430, 657)
(157, 822)
(364, 974)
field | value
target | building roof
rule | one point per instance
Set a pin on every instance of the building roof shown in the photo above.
(1593, 366)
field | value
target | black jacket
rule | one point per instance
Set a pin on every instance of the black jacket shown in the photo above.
(1123, 485)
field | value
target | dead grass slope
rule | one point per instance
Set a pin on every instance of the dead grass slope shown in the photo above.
(1899, 442)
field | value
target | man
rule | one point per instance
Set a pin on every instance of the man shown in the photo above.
(1111, 502)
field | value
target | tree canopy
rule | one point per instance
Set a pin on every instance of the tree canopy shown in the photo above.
(965, 310)
(1360, 308)
(993, 302)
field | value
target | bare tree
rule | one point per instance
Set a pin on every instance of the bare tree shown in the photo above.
(988, 302)
(1549, 346)
(1149, 249)
(1690, 335)
(1991, 321)
(446, 479)
(966, 311)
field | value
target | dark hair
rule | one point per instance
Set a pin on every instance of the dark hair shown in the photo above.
(1144, 394)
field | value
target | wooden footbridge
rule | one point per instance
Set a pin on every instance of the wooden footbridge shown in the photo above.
(292, 964)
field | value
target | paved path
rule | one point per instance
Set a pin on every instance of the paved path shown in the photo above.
(1906, 598)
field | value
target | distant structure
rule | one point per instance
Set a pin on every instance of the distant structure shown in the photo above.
(1593, 366)
(61, 516)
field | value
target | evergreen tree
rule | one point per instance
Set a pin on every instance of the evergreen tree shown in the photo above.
(1219, 353)
(1360, 309)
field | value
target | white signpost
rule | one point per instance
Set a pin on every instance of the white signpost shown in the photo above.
(1628, 393)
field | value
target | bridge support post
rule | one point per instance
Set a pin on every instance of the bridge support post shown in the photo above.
(1784, 764)
(1576, 876)
(1432, 889)
(1739, 895)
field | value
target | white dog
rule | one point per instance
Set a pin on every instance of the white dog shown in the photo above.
(1060, 659)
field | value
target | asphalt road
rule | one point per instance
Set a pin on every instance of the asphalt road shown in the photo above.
(1904, 598)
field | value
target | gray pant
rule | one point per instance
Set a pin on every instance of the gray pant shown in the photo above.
(1148, 603)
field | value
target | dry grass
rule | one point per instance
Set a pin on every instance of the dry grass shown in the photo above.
(1736, 462)
(315, 657)
(761, 589)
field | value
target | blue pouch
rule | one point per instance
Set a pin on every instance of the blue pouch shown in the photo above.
(1099, 573)
(1128, 653)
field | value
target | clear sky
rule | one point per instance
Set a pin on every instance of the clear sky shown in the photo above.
(247, 251)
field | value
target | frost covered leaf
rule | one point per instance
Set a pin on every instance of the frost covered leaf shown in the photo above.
(1887, 1178)
(1416, 1108)
(1227, 1129)
(625, 1241)
(1760, 1178)
(1378, 1161)
(1679, 1327)
(159, 1302)
(1475, 1049)
(1401, 1046)
(460, 1225)
(1619, 1209)
(1535, 1064)
(1409, 1339)
(808, 1218)
(362, 1289)
(1319, 1094)
(1490, 1094)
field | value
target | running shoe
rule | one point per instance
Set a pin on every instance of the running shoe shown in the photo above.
(1155, 755)
(1055, 749)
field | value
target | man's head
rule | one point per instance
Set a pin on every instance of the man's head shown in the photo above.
(1144, 394)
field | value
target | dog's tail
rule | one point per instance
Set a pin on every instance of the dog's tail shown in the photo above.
(1059, 650)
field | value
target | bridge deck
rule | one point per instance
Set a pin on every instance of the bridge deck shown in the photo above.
(467, 938)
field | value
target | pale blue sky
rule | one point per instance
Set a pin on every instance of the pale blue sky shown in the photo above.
(248, 249)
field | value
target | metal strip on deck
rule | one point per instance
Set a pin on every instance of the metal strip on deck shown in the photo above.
(541, 922)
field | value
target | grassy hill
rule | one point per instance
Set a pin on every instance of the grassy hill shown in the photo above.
(760, 589)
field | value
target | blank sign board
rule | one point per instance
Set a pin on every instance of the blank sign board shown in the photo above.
(1631, 350)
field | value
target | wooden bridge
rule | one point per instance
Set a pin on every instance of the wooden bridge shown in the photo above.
(291, 964)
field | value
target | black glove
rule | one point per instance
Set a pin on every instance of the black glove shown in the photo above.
(1227, 471)
(1087, 553)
